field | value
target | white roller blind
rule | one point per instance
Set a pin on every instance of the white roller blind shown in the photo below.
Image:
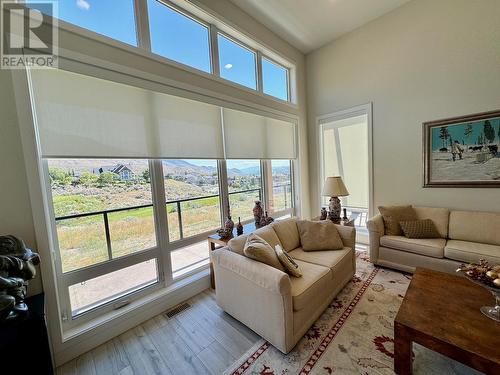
(82, 116)
(250, 136)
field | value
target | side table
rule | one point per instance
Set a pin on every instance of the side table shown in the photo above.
(215, 242)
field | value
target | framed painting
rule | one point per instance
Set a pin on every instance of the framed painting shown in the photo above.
(462, 151)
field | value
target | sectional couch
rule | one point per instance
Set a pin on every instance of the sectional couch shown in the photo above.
(466, 236)
(279, 307)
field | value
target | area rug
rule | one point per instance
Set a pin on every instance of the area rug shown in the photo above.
(355, 334)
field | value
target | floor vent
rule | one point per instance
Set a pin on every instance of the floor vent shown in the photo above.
(177, 309)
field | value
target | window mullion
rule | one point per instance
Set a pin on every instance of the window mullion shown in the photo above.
(214, 50)
(161, 222)
(258, 73)
(142, 24)
(223, 189)
(266, 183)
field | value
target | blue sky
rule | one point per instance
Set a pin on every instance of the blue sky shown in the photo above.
(174, 36)
(457, 132)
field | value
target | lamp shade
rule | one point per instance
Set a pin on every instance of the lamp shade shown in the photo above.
(334, 187)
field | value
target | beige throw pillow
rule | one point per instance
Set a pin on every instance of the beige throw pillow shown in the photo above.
(319, 235)
(287, 261)
(419, 229)
(393, 215)
(258, 249)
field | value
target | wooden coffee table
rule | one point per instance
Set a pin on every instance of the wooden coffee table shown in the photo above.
(441, 312)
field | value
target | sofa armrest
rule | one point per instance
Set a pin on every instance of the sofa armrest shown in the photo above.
(258, 273)
(348, 235)
(375, 231)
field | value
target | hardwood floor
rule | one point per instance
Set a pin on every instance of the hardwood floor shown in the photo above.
(200, 340)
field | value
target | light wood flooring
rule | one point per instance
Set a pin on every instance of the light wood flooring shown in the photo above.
(200, 340)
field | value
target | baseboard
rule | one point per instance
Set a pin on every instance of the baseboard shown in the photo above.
(111, 328)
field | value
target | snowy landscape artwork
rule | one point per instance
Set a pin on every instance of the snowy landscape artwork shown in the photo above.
(463, 151)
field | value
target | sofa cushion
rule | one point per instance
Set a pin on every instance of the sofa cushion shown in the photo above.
(439, 216)
(326, 258)
(432, 247)
(315, 279)
(473, 226)
(392, 215)
(319, 235)
(468, 252)
(291, 267)
(266, 233)
(258, 249)
(287, 233)
(419, 229)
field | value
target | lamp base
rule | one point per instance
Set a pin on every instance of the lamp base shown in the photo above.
(334, 209)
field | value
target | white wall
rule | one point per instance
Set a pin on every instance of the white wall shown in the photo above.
(15, 207)
(427, 60)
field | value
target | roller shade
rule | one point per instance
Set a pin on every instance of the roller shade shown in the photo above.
(82, 116)
(250, 136)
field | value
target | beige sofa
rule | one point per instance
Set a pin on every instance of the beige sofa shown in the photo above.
(279, 307)
(466, 236)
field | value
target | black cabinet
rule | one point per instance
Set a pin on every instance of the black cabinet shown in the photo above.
(24, 344)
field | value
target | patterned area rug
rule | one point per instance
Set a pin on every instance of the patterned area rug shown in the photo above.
(353, 336)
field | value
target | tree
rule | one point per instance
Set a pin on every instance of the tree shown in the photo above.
(468, 132)
(146, 176)
(107, 178)
(444, 134)
(88, 179)
(489, 132)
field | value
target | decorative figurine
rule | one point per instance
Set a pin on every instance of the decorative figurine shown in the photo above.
(324, 214)
(345, 214)
(257, 213)
(266, 220)
(239, 227)
(17, 266)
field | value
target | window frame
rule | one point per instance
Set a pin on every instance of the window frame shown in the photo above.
(214, 25)
(258, 86)
(188, 15)
(287, 70)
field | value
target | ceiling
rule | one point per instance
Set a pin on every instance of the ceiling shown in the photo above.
(310, 24)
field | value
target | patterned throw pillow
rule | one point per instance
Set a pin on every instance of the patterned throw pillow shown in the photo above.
(419, 229)
(393, 215)
(287, 261)
(258, 249)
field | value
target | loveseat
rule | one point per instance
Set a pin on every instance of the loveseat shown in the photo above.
(465, 236)
(277, 306)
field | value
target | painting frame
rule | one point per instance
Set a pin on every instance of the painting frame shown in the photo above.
(427, 151)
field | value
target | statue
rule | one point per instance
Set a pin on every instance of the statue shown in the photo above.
(17, 266)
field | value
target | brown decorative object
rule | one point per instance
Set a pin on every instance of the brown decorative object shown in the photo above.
(265, 220)
(229, 224)
(225, 233)
(257, 213)
(462, 151)
(324, 214)
(17, 266)
(441, 312)
(239, 227)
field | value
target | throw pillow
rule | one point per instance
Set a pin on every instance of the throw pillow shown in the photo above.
(258, 249)
(393, 215)
(419, 229)
(319, 235)
(287, 261)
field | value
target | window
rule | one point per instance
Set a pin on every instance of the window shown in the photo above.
(101, 16)
(178, 37)
(275, 79)
(192, 192)
(237, 63)
(280, 197)
(244, 179)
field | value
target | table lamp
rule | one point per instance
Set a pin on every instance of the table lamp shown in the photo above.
(334, 187)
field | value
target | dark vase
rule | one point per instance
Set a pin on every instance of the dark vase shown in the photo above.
(239, 228)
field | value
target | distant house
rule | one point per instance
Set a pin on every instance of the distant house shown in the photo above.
(121, 170)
